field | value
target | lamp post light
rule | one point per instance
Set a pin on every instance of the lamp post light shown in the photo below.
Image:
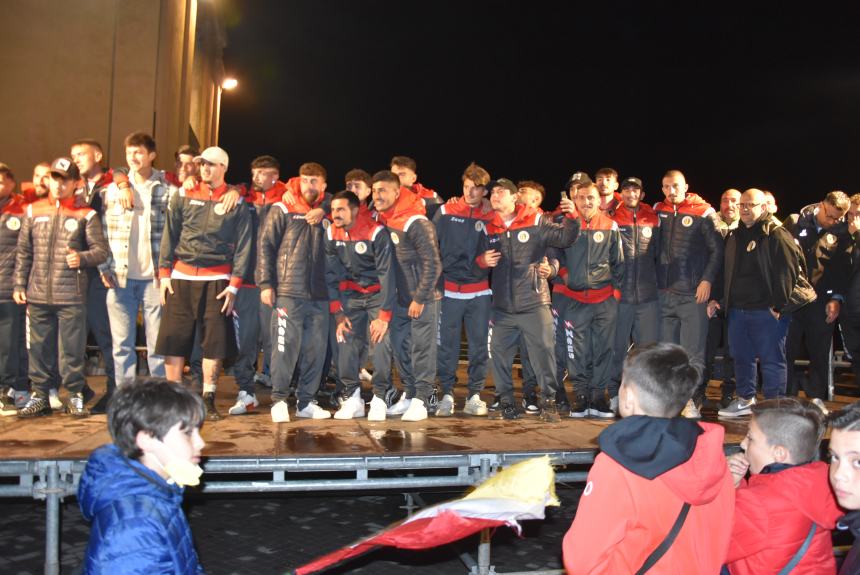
(228, 84)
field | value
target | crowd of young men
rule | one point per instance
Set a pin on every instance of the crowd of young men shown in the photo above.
(385, 271)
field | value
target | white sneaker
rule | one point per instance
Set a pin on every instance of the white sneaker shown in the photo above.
(280, 412)
(400, 407)
(446, 406)
(475, 406)
(313, 411)
(377, 409)
(415, 412)
(246, 402)
(352, 407)
(364, 375)
(54, 399)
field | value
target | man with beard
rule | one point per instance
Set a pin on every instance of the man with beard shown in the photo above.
(606, 180)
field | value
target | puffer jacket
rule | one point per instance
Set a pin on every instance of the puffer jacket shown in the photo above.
(12, 214)
(137, 521)
(460, 228)
(259, 204)
(827, 253)
(359, 262)
(517, 287)
(201, 240)
(639, 236)
(291, 258)
(592, 268)
(691, 248)
(50, 229)
(418, 269)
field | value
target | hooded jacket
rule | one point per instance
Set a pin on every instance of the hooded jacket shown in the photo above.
(418, 269)
(138, 526)
(691, 248)
(773, 515)
(12, 213)
(649, 467)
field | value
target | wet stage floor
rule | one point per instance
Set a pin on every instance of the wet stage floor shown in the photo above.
(62, 437)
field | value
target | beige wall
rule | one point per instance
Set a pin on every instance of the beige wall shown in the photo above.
(102, 69)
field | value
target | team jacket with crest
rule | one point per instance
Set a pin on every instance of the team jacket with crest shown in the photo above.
(516, 285)
(827, 252)
(259, 204)
(639, 235)
(291, 256)
(691, 248)
(593, 266)
(12, 214)
(460, 229)
(358, 262)
(48, 230)
(418, 266)
(200, 239)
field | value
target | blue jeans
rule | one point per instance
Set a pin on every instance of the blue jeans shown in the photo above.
(757, 334)
(122, 306)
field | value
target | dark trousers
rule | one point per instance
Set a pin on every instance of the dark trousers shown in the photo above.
(558, 308)
(265, 341)
(808, 326)
(534, 329)
(58, 340)
(299, 334)
(685, 322)
(414, 344)
(475, 314)
(718, 336)
(99, 324)
(352, 350)
(590, 329)
(11, 328)
(850, 325)
(639, 323)
(246, 321)
(757, 334)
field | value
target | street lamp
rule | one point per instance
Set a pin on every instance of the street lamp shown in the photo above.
(226, 84)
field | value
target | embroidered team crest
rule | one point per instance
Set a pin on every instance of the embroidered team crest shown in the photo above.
(219, 209)
(523, 236)
(597, 237)
(646, 232)
(751, 246)
(395, 238)
(360, 248)
(325, 223)
(830, 239)
(71, 225)
(479, 226)
(686, 221)
(13, 224)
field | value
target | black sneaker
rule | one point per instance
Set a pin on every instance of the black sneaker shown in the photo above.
(495, 406)
(101, 405)
(505, 411)
(432, 402)
(549, 412)
(211, 412)
(580, 406)
(77, 404)
(530, 404)
(7, 402)
(391, 396)
(36, 407)
(600, 407)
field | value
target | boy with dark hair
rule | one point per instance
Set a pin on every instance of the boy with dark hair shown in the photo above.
(407, 170)
(785, 510)
(655, 471)
(359, 183)
(131, 490)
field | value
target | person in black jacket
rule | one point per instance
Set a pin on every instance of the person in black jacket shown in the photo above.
(762, 263)
(827, 246)
(849, 316)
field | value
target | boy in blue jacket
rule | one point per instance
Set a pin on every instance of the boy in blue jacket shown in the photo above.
(131, 490)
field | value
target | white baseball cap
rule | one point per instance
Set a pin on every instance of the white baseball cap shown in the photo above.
(214, 155)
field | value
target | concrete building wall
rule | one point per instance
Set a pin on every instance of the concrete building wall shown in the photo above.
(102, 69)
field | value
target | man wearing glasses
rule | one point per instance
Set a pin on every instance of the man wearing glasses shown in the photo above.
(826, 245)
(761, 268)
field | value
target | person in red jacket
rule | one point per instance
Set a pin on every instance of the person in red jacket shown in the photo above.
(785, 511)
(651, 464)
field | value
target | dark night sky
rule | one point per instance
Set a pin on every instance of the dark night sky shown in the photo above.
(750, 94)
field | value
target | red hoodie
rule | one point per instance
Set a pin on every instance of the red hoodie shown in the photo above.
(773, 515)
(622, 517)
(407, 206)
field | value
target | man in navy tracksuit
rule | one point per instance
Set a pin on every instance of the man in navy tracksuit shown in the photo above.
(689, 260)
(514, 246)
(419, 279)
(592, 269)
(360, 279)
(459, 226)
